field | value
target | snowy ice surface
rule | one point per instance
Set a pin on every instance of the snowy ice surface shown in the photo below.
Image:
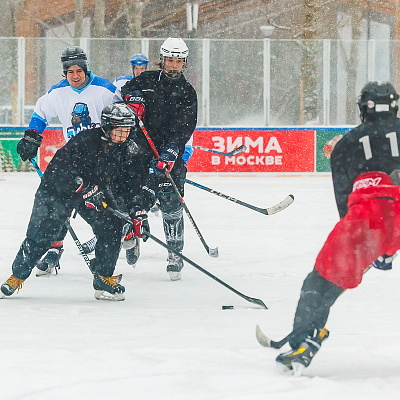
(172, 340)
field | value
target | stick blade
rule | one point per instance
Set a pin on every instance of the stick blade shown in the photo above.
(285, 203)
(239, 150)
(262, 338)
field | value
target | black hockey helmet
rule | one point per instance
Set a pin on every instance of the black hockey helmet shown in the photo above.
(73, 55)
(115, 115)
(378, 97)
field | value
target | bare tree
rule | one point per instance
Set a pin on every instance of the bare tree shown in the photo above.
(316, 19)
(130, 11)
(78, 18)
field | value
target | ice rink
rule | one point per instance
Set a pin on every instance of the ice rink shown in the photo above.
(171, 340)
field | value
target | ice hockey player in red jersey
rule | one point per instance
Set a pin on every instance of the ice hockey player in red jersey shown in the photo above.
(365, 167)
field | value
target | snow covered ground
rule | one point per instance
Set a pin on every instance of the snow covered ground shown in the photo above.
(172, 340)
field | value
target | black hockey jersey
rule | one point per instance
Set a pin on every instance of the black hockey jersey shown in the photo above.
(374, 145)
(171, 107)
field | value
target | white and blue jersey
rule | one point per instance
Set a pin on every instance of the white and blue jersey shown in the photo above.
(120, 81)
(76, 109)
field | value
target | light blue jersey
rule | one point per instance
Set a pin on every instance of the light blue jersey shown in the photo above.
(76, 109)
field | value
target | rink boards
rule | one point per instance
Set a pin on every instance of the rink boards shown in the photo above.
(272, 149)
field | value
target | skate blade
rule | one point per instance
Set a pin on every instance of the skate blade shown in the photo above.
(175, 276)
(283, 369)
(48, 272)
(103, 295)
(298, 368)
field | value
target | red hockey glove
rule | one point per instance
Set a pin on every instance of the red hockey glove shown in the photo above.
(140, 223)
(136, 102)
(166, 160)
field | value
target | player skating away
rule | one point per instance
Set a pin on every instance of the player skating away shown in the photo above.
(99, 166)
(77, 101)
(167, 104)
(365, 164)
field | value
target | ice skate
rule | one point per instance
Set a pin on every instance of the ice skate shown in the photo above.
(11, 285)
(106, 288)
(174, 267)
(300, 358)
(50, 263)
(132, 247)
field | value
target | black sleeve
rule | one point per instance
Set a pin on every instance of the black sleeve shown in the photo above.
(341, 183)
(128, 88)
(62, 171)
(183, 123)
(142, 192)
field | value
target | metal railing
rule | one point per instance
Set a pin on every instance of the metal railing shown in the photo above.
(238, 82)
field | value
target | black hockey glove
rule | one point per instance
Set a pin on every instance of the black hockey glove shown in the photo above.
(166, 159)
(93, 197)
(384, 262)
(28, 146)
(135, 101)
(140, 223)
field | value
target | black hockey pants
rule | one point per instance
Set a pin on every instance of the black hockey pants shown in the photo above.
(48, 218)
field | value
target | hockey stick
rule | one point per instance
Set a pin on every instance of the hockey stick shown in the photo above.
(265, 341)
(232, 153)
(68, 225)
(213, 252)
(128, 219)
(286, 202)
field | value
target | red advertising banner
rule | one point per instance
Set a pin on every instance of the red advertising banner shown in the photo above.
(267, 151)
(53, 139)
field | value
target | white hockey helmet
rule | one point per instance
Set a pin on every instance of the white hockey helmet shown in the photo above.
(174, 47)
(177, 48)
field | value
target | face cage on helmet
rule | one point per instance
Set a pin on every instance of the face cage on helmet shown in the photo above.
(173, 75)
(107, 127)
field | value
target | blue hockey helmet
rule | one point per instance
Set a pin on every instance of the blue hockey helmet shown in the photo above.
(139, 59)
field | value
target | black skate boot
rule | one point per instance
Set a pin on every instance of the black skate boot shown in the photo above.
(299, 358)
(10, 286)
(131, 244)
(106, 288)
(89, 246)
(174, 267)
(50, 263)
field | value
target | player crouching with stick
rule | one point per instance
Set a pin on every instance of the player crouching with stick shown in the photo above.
(89, 172)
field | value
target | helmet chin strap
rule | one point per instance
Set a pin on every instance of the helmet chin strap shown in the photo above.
(173, 76)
